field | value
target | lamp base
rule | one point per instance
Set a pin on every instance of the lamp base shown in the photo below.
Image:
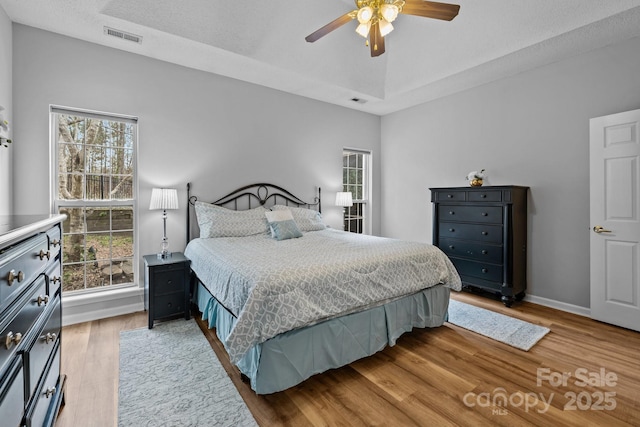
(164, 255)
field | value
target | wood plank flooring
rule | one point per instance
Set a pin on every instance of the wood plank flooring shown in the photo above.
(434, 377)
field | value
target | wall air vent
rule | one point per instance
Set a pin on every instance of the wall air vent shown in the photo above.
(359, 100)
(122, 35)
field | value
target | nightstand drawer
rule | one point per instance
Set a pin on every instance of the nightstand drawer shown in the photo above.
(169, 281)
(477, 232)
(485, 214)
(169, 305)
(478, 251)
(485, 271)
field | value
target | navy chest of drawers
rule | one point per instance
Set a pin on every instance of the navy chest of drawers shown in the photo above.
(483, 230)
(31, 385)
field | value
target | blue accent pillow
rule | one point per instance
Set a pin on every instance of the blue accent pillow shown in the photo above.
(287, 229)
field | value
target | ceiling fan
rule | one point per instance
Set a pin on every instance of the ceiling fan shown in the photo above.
(375, 18)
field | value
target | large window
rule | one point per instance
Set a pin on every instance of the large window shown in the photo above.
(95, 187)
(356, 179)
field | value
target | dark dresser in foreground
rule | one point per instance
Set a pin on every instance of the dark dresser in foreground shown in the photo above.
(167, 286)
(483, 230)
(31, 384)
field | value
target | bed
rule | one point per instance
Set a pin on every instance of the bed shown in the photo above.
(290, 297)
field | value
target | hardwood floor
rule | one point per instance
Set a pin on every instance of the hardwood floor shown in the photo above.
(435, 377)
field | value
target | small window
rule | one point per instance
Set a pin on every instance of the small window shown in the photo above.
(356, 179)
(95, 187)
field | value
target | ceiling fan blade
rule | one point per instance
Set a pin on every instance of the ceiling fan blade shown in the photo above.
(376, 41)
(336, 23)
(431, 9)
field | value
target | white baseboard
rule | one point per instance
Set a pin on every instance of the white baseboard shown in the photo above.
(558, 305)
(100, 305)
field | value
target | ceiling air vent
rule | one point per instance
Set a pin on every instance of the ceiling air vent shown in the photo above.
(359, 100)
(122, 35)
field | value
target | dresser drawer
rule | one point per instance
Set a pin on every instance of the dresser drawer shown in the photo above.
(19, 265)
(477, 232)
(54, 280)
(46, 395)
(466, 249)
(485, 196)
(452, 196)
(12, 394)
(35, 358)
(169, 305)
(484, 214)
(29, 308)
(486, 271)
(169, 280)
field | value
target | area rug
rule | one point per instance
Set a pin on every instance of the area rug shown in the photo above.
(170, 376)
(514, 332)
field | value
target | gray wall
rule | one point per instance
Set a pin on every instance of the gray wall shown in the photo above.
(531, 129)
(6, 102)
(218, 132)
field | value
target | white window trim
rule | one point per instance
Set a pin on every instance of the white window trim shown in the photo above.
(108, 301)
(367, 224)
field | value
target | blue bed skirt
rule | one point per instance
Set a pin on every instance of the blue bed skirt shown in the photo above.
(290, 358)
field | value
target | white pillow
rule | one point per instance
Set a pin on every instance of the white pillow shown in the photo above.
(217, 221)
(306, 219)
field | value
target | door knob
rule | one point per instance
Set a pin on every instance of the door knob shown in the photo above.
(600, 229)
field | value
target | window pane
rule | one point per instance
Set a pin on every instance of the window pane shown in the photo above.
(122, 244)
(98, 219)
(73, 277)
(122, 218)
(75, 220)
(352, 161)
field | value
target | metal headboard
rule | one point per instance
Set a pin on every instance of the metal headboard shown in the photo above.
(253, 195)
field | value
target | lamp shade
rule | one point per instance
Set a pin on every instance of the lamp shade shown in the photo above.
(164, 198)
(344, 198)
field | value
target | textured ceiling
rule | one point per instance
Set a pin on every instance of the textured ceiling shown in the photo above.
(263, 42)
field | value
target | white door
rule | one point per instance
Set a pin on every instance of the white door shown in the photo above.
(615, 219)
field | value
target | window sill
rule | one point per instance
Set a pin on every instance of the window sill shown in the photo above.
(100, 305)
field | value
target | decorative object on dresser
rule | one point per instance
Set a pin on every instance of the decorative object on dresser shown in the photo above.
(483, 230)
(164, 198)
(166, 286)
(475, 178)
(31, 386)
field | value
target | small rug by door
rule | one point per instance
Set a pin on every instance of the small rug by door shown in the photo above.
(514, 332)
(170, 376)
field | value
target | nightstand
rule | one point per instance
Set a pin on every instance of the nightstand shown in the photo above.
(166, 286)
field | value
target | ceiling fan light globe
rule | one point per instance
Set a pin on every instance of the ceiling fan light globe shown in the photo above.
(363, 29)
(365, 14)
(389, 12)
(385, 27)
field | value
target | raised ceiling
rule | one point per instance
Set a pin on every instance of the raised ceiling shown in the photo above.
(262, 42)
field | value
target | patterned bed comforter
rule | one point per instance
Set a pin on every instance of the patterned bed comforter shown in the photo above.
(275, 286)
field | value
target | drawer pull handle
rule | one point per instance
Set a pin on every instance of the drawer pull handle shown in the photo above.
(451, 247)
(42, 300)
(452, 230)
(12, 339)
(484, 270)
(55, 242)
(452, 213)
(13, 276)
(169, 282)
(484, 252)
(49, 337)
(483, 196)
(56, 279)
(44, 255)
(450, 196)
(484, 214)
(49, 392)
(484, 233)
